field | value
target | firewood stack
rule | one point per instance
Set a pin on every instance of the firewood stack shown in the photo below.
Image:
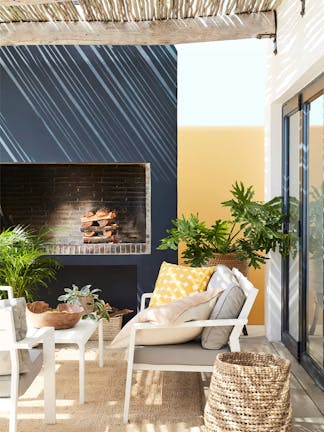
(99, 226)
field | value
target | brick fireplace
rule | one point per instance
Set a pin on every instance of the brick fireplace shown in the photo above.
(59, 196)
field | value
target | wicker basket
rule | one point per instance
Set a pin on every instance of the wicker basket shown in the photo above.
(249, 392)
(230, 260)
(110, 328)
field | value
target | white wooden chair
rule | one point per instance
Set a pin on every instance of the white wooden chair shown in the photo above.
(187, 357)
(14, 385)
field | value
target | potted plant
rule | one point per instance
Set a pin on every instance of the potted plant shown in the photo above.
(23, 261)
(254, 230)
(96, 308)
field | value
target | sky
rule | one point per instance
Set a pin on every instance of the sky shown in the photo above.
(221, 83)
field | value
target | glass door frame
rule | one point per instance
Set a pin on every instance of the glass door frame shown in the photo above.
(299, 103)
(291, 343)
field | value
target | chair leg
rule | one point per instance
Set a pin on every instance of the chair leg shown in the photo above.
(128, 391)
(13, 415)
(49, 378)
(14, 390)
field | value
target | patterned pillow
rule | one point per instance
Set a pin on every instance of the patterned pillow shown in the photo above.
(175, 281)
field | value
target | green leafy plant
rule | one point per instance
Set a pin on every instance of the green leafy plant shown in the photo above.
(254, 230)
(315, 232)
(23, 261)
(95, 307)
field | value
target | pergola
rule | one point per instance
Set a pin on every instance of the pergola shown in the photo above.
(134, 22)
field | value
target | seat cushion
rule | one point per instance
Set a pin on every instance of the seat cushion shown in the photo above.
(228, 305)
(19, 314)
(190, 354)
(25, 379)
(194, 307)
(176, 281)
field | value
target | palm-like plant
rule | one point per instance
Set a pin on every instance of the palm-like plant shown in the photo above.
(23, 261)
(254, 230)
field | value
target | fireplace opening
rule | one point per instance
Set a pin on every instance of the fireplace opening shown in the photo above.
(89, 208)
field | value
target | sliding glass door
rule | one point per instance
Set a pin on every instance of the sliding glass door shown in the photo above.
(315, 238)
(292, 199)
(303, 198)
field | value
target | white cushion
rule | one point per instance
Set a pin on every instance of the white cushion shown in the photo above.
(228, 305)
(244, 283)
(194, 307)
(222, 278)
(19, 314)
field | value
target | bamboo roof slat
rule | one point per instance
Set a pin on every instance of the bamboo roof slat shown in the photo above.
(162, 32)
(129, 11)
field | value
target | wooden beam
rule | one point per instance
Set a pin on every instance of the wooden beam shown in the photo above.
(166, 32)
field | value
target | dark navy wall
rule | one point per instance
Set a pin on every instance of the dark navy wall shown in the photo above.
(97, 104)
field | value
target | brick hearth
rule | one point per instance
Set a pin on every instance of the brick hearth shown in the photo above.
(58, 195)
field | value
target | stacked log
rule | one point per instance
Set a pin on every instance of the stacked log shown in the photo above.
(99, 226)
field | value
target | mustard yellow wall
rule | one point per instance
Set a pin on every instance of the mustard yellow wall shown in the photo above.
(210, 159)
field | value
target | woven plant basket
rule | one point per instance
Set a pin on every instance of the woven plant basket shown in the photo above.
(249, 392)
(110, 328)
(230, 260)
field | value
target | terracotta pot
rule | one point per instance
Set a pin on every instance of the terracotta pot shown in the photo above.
(230, 260)
(87, 303)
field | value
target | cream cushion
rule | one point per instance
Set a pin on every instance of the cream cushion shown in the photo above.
(228, 305)
(19, 313)
(194, 307)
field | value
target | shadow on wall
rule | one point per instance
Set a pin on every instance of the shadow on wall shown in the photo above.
(90, 103)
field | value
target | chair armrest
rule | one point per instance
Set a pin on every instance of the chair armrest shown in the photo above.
(143, 299)
(198, 323)
(35, 337)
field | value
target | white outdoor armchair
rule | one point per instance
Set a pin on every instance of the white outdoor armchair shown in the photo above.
(187, 357)
(14, 385)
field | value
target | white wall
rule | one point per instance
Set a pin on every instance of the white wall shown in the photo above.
(221, 83)
(300, 59)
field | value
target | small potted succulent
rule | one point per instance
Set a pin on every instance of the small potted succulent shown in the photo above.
(95, 308)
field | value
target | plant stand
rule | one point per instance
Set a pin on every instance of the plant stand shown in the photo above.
(249, 392)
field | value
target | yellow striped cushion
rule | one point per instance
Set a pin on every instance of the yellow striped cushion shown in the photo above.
(175, 281)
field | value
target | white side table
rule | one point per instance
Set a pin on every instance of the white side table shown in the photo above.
(79, 335)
